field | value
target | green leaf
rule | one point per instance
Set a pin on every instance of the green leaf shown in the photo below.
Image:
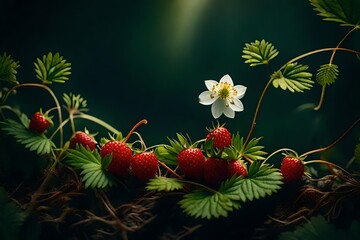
(8, 69)
(164, 184)
(263, 180)
(166, 154)
(344, 12)
(94, 173)
(52, 68)
(293, 77)
(11, 217)
(259, 53)
(318, 228)
(75, 103)
(204, 204)
(327, 74)
(33, 141)
(252, 150)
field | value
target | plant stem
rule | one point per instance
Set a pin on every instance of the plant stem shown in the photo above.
(319, 51)
(96, 120)
(280, 150)
(144, 121)
(327, 163)
(334, 143)
(257, 112)
(169, 169)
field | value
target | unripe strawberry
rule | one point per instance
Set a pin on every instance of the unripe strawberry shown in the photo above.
(121, 157)
(84, 139)
(191, 162)
(215, 171)
(292, 169)
(39, 122)
(237, 167)
(144, 165)
(220, 136)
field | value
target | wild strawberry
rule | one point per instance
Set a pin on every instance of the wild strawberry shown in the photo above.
(82, 138)
(121, 157)
(220, 136)
(191, 162)
(215, 170)
(144, 165)
(292, 169)
(39, 122)
(236, 167)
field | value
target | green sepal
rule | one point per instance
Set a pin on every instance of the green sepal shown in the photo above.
(169, 153)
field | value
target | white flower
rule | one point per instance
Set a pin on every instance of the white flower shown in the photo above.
(224, 97)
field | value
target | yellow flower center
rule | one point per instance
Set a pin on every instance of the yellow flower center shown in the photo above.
(224, 90)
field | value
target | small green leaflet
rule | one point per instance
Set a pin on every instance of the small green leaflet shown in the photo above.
(204, 204)
(93, 168)
(164, 184)
(346, 13)
(293, 77)
(327, 74)
(259, 53)
(52, 68)
(33, 141)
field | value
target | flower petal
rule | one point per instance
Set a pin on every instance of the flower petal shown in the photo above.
(206, 99)
(227, 78)
(229, 112)
(240, 91)
(210, 83)
(217, 108)
(237, 105)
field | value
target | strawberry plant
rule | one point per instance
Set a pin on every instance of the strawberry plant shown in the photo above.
(113, 185)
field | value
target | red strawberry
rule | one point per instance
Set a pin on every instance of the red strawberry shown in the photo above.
(236, 167)
(39, 122)
(215, 170)
(292, 169)
(220, 136)
(144, 165)
(191, 162)
(83, 139)
(121, 157)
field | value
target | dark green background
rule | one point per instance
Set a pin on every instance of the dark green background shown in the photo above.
(148, 59)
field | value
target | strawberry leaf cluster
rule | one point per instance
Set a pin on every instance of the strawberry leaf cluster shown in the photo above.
(92, 166)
